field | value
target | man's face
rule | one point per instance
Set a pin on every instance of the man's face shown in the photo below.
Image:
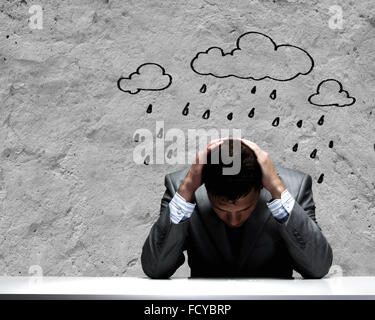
(235, 213)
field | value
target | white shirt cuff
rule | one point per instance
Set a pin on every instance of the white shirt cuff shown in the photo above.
(282, 208)
(180, 209)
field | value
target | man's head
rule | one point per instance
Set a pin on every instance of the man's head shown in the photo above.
(233, 197)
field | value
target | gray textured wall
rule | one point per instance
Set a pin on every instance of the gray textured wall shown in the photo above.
(72, 199)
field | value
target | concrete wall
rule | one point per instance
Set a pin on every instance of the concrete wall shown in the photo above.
(72, 199)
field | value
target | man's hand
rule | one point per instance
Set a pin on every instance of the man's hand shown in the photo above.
(193, 178)
(270, 179)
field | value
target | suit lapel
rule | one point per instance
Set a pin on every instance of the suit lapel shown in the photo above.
(214, 225)
(253, 226)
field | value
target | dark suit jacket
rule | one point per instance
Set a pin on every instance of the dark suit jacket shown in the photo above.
(269, 249)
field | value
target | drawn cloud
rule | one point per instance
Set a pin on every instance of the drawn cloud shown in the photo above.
(255, 57)
(331, 93)
(148, 77)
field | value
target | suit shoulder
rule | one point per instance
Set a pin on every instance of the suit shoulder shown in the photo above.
(292, 178)
(290, 172)
(177, 176)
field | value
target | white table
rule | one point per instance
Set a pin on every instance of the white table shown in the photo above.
(143, 288)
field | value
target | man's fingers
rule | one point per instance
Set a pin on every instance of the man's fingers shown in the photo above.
(202, 155)
(214, 141)
(214, 145)
(260, 154)
(252, 145)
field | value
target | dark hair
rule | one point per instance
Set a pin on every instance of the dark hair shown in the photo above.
(232, 187)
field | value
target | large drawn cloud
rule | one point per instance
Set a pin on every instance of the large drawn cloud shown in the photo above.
(148, 77)
(255, 57)
(331, 93)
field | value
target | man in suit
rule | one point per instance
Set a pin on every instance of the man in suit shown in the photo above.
(259, 222)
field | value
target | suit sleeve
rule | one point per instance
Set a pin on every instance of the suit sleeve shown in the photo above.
(308, 247)
(162, 252)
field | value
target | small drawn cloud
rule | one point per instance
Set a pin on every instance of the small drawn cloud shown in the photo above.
(331, 93)
(255, 57)
(148, 77)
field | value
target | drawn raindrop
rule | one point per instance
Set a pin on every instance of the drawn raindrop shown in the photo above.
(185, 112)
(203, 89)
(175, 152)
(321, 178)
(273, 94)
(299, 124)
(147, 160)
(251, 113)
(160, 133)
(136, 137)
(313, 154)
(253, 90)
(330, 144)
(206, 114)
(321, 120)
(169, 155)
(149, 108)
(230, 116)
(276, 121)
(295, 147)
